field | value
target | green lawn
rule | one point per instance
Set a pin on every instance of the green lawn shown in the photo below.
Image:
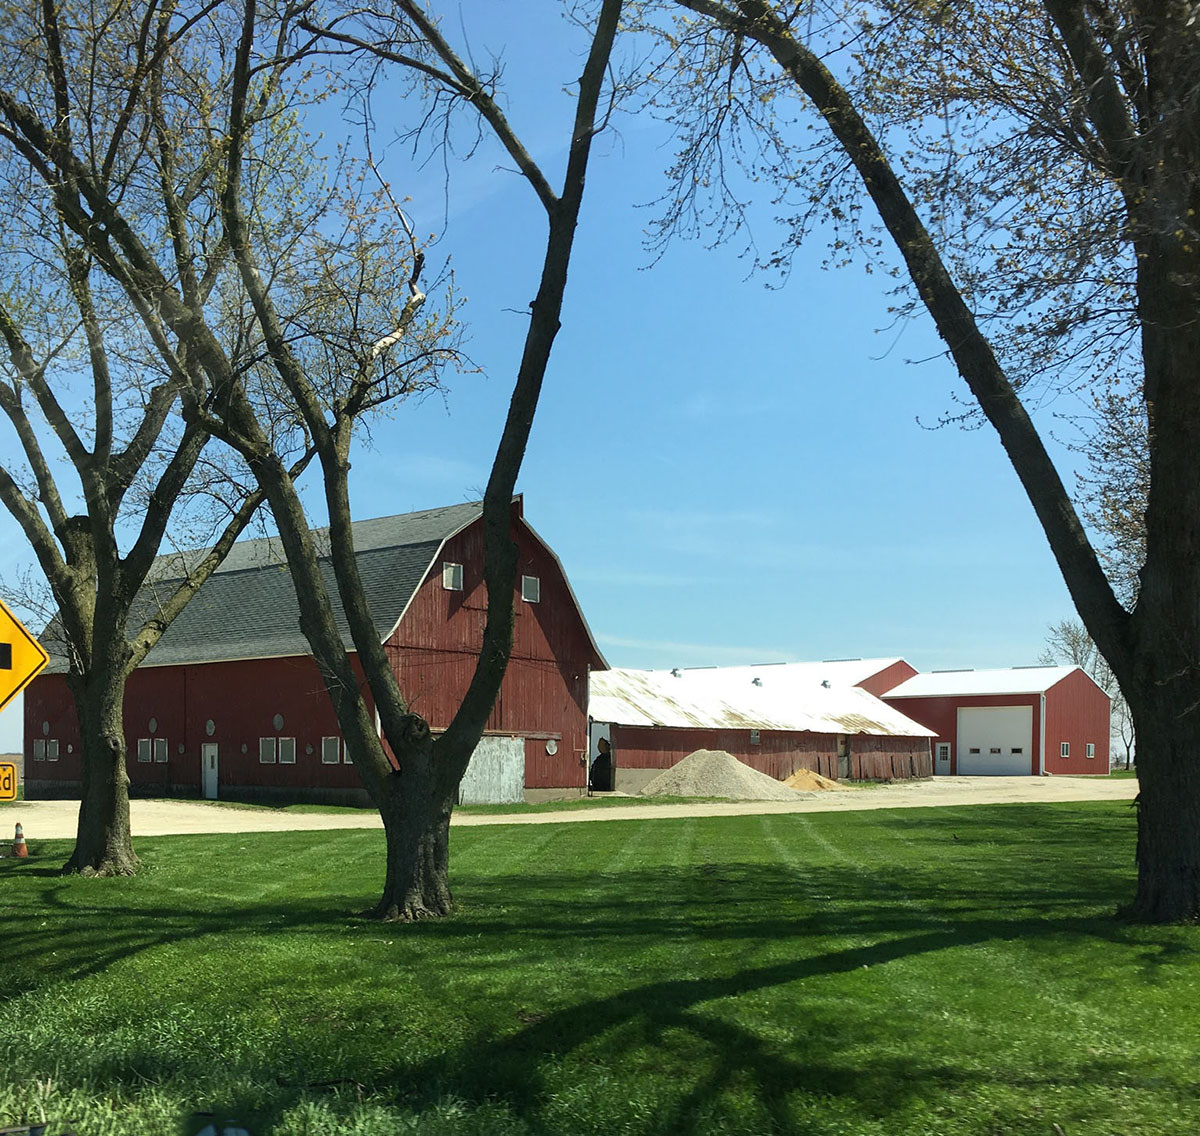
(871, 974)
(570, 805)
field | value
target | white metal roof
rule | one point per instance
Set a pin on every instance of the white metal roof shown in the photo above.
(786, 697)
(998, 680)
(837, 672)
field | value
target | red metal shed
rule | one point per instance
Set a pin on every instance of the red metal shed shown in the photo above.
(1015, 720)
(230, 702)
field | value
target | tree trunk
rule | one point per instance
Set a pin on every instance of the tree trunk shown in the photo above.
(417, 885)
(1168, 804)
(103, 845)
(415, 804)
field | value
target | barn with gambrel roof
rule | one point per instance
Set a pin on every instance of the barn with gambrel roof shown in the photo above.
(230, 704)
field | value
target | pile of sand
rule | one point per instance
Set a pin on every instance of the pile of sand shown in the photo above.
(806, 781)
(716, 773)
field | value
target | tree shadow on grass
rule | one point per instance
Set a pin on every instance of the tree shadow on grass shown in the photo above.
(607, 933)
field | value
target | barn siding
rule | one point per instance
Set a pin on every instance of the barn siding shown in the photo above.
(544, 693)
(1077, 711)
(889, 759)
(941, 714)
(241, 698)
(779, 753)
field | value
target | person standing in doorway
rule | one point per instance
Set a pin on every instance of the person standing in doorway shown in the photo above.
(600, 779)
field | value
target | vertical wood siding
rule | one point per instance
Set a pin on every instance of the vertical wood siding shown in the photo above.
(543, 696)
(241, 699)
(779, 753)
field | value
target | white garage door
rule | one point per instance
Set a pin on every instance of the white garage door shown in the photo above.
(995, 739)
(496, 773)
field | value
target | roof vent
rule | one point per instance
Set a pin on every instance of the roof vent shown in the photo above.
(675, 672)
(825, 683)
(756, 680)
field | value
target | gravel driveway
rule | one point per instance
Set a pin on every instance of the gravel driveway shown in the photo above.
(55, 819)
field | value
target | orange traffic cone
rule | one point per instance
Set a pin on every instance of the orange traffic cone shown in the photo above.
(19, 849)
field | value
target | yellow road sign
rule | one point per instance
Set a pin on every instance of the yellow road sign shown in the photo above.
(21, 656)
(8, 781)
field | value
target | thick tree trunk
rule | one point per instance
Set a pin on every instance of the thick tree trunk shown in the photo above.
(415, 803)
(417, 885)
(103, 844)
(1168, 840)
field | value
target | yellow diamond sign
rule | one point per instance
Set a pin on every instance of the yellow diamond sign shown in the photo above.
(21, 656)
(8, 781)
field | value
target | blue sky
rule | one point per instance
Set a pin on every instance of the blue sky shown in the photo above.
(729, 473)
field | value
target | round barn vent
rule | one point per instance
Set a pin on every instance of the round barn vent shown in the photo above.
(210, 727)
(277, 721)
(153, 725)
(45, 727)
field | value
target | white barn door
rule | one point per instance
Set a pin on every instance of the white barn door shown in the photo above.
(995, 740)
(496, 773)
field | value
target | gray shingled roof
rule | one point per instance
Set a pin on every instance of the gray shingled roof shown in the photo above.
(247, 609)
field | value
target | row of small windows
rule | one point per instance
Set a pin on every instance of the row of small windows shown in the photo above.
(452, 581)
(271, 751)
(282, 751)
(1064, 749)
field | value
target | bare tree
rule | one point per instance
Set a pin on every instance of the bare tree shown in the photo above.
(416, 795)
(121, 307)
(1060, 135)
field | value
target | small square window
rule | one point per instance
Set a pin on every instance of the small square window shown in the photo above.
(160, 750)
(1064, 749)
(452, 577)
(266, 751)
(754, 737)
(974, 749)
(39, 749)
(145, 752)
(330, 750)
(287, 751)
(1017, 749)
(531, 589)
(1091, 749)
(52, 749)
(994, 749)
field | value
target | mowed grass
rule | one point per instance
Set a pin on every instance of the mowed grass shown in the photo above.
(911, 971)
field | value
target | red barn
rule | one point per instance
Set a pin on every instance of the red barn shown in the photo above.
(230, 703)
(1017, 720)
(777, 718)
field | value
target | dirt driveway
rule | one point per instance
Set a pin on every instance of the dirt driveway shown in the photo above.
(56, 819)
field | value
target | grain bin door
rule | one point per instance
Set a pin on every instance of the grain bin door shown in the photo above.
(496, 773)
(995, 740)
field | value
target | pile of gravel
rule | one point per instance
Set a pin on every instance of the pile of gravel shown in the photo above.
(717, 773)
(808, 780)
